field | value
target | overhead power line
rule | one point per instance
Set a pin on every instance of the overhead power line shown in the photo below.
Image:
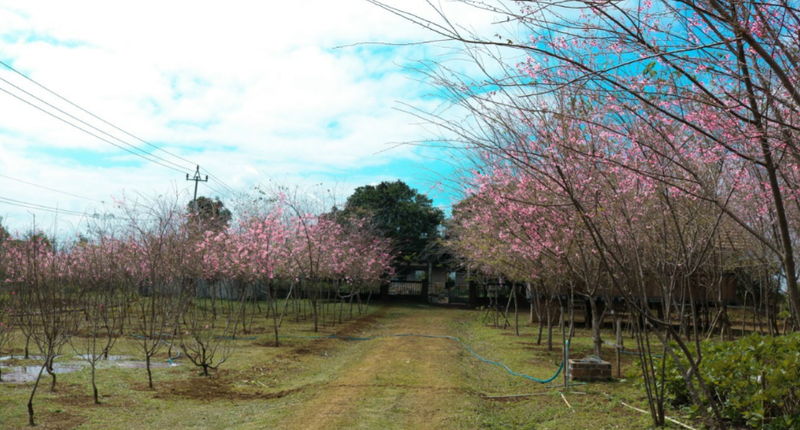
(156, 147)
(87, 131)
(141, 153)
(144, 154)
(219, 181)
(28, 205)
(220, 194)
(68, 212)
(52, 189)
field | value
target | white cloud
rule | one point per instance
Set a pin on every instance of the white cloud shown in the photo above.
(247, 90)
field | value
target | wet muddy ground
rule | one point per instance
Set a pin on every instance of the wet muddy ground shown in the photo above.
(17, 370)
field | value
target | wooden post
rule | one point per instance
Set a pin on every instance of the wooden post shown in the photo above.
(619, 347)
(566, 365)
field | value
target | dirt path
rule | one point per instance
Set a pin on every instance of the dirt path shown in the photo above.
(398, 382)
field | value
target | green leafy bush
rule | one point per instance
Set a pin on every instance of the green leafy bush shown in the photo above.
(756, 379)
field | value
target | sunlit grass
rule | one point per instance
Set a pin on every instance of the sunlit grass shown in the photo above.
(266, 387)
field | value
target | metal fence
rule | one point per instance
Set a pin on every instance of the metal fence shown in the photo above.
(405, 288)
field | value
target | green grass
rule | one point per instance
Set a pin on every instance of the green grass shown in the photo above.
(594, 409)
(265, 387)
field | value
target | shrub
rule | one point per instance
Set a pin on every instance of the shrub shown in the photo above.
(755, 378)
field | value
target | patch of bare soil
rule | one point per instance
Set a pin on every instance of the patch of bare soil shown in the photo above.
(304, 351)
(319, 346)
(255, 330)
(267, 343)
(58, 420)
(72, 395)
(81, 397)
(215, 387)
(364, 323)
(354, 329)
(75, 400)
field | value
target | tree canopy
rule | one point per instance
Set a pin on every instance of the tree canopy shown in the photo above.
(211, 213)
(399, 212)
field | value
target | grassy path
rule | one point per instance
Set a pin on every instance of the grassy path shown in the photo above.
(385, 383)
(399, 382)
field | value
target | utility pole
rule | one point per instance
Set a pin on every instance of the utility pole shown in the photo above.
(197, 179)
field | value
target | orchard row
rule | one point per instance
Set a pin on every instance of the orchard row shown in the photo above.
(169, 275)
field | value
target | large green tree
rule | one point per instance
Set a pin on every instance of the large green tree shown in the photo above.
(400, 213)
(209, 214)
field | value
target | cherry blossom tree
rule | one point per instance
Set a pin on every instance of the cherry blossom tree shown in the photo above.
(155, 248)
(7, 314)
(48, 308)
(97, 271)
(714, 79)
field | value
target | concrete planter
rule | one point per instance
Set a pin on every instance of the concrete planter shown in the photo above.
(589, 370)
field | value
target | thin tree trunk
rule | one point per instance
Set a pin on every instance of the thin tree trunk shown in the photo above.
(94, 386)
(790, 271)
(596, 318)
(275, 324)
(516, 313)
(286, 304)
(505, 312)
(31, 422)
(315, 314)
(213, 304)
(541, 328)
(149, 373)
(549, 325)
(571, 313)
(530, 294)
(49, 368)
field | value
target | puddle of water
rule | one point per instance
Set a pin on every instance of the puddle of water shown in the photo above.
(142, 365)
(29, 373)
(22, 374)
(20, 357)
(109, 358)
(130, 362)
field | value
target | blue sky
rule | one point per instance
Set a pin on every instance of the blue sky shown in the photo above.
(251, 93)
